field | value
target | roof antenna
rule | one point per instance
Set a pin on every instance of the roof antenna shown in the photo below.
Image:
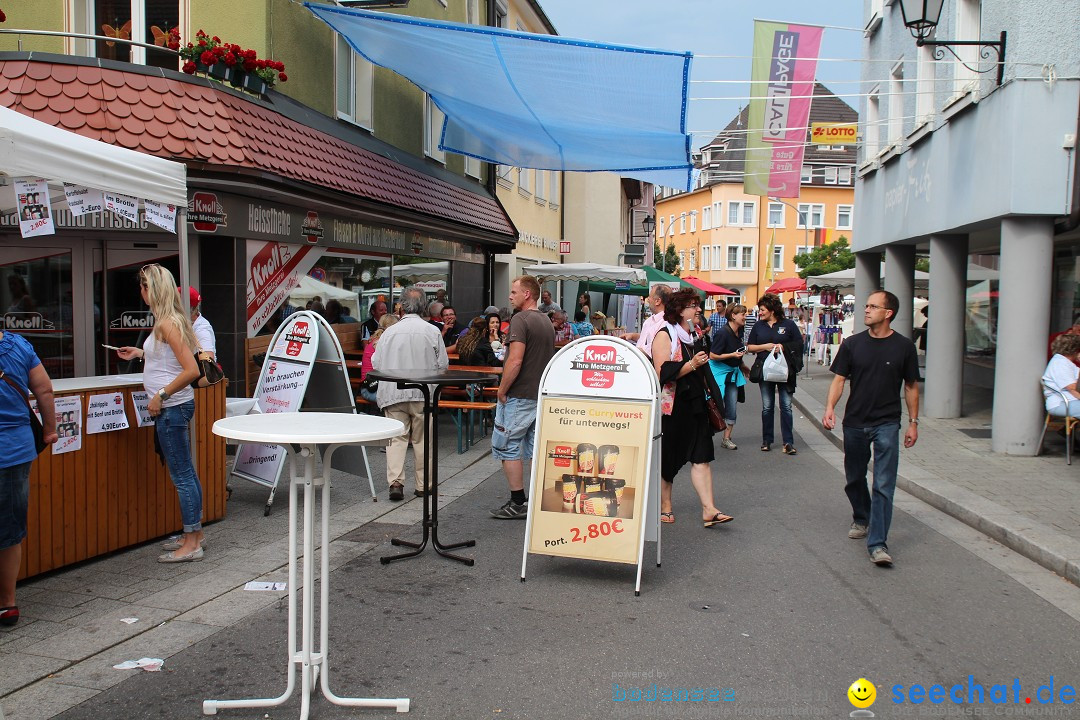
(738, 118)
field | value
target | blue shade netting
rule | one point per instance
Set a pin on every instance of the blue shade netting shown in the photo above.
(537, 101)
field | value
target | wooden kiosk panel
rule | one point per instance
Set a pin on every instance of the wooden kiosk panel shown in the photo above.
(115, 492)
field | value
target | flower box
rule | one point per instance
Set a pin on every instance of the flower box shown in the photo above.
(221, 71)
(254, 84)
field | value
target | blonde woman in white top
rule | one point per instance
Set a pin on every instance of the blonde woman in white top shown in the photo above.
(168, 373)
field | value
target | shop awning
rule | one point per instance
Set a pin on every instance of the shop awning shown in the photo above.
(707, 287)
(537, 101)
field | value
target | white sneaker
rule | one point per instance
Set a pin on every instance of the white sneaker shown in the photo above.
(727, 444)
(856, 531)
(881, 557)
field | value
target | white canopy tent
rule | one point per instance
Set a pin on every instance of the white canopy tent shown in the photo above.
(846, 278)
(587, 271)
(309, 287)
(417, 271)
(31, 148)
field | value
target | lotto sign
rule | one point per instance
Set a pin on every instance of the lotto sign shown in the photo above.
(833, 133)
(564, 247)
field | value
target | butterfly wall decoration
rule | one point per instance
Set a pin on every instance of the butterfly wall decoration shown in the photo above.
(121, 33)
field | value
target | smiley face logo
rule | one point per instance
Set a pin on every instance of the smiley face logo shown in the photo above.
(862, 693)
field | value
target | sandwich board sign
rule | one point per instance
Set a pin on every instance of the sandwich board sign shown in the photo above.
(304, 369)
(594, 493)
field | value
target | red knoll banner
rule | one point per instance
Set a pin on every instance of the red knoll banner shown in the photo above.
(273, 271)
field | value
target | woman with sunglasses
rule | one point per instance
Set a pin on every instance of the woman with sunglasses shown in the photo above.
(169, 370)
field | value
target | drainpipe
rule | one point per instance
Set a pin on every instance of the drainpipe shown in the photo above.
(1073, 220)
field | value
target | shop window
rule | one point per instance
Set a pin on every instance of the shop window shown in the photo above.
(36, 296)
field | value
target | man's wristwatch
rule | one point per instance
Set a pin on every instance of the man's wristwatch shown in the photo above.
(913, 421)
(163, 395)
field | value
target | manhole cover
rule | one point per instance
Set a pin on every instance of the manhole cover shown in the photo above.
(706, 606)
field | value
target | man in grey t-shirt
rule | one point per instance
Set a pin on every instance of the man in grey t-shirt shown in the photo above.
(530, 345)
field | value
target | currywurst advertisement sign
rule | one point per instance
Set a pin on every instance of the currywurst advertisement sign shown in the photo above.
(593, 466)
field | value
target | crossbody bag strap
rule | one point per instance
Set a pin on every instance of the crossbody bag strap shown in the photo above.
(12, 383)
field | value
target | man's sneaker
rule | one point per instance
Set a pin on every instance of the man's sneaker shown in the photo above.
(728, 445)
(881, 557)
(511, 511)
(856, 531)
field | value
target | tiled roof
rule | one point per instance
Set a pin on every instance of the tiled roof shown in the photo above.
(825, 107)
(166, 115)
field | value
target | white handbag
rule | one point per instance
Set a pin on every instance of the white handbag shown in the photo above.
(775, 368)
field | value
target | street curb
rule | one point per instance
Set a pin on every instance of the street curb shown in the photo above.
(1035, 541)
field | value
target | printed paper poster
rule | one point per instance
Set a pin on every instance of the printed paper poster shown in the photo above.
(125, 206)
(106, 413)
(591, 474)
(83, 200)
(68, 424)
(161, 214)
(141, 399)
(33, 206)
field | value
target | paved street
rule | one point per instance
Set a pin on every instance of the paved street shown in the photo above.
(778, 606)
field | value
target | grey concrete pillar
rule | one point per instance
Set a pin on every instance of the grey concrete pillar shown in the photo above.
(1023, 328)
(867, 281)
(900, 281)
(945, 335)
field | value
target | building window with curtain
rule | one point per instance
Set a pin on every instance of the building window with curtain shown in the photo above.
(553, 196)
(778, 258)
(682, 224)
(355, 86)
(525, 181)
(671, 226)
(776, 215)
(816, 213)
(705, 257)
(693, 259)
(659, 226)
(541, 187)
(682, 258)
(433, 123)
(844, 215)
(693, 221)
(706, 218)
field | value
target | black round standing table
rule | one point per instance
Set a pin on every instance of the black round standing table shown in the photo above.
(423, 380)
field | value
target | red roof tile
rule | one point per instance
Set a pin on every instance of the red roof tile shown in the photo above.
(185, 120)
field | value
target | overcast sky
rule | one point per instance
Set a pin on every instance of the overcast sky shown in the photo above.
(716, 27)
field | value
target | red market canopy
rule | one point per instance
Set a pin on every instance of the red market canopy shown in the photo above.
(787, 285)
(707, 287)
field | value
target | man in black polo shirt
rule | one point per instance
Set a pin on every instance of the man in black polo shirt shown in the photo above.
(878, 361)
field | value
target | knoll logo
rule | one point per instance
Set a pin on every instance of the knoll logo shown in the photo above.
(312, 228)
(297, 337)
(134, 320)
(598, 365)
(562, 455)
(26, 321)
(205, 213)
(266, 265)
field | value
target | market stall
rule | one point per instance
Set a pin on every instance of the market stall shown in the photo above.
(629, 283)
(102, 486)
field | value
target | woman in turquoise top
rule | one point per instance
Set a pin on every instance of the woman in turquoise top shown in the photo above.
(725, 360)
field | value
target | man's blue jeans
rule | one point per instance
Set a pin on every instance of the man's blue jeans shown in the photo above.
(767, 407)
(876, 511)
(172, 431)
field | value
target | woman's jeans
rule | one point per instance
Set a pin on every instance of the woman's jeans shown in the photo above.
(767, 405)
(172, 431)
(731, 400)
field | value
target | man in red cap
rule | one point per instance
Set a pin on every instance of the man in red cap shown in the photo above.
(204, 332)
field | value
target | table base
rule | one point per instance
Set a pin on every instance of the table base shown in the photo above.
(312, 663)
(431, 529)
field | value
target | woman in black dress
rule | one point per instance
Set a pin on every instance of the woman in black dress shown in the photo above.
(687, 434)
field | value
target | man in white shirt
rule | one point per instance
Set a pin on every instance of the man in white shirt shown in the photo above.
(204, 332)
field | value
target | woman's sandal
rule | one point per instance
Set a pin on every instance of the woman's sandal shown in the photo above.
(667, 518)
(9, 615)
(717, 519)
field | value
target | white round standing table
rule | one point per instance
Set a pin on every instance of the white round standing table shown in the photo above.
(301, 434)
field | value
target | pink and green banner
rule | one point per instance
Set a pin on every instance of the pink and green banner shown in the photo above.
(782, 83)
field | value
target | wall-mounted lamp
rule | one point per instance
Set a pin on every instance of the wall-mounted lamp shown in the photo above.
(921, 17)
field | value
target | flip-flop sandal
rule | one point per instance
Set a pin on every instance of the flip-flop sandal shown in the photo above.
(717, 519)
(667, 518)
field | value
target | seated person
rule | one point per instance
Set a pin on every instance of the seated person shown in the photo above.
(1059, 379)
(581, 327)
(563, 331)
(475, 347)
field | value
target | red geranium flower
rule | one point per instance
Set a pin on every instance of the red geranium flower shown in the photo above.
(3, 17)
(189, 68)
(282, 77)
(208, 58)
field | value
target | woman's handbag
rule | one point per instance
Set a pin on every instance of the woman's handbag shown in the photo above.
(775, 368)
(35, 424)
(712, 393)
(755, 369)
(210, 373)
